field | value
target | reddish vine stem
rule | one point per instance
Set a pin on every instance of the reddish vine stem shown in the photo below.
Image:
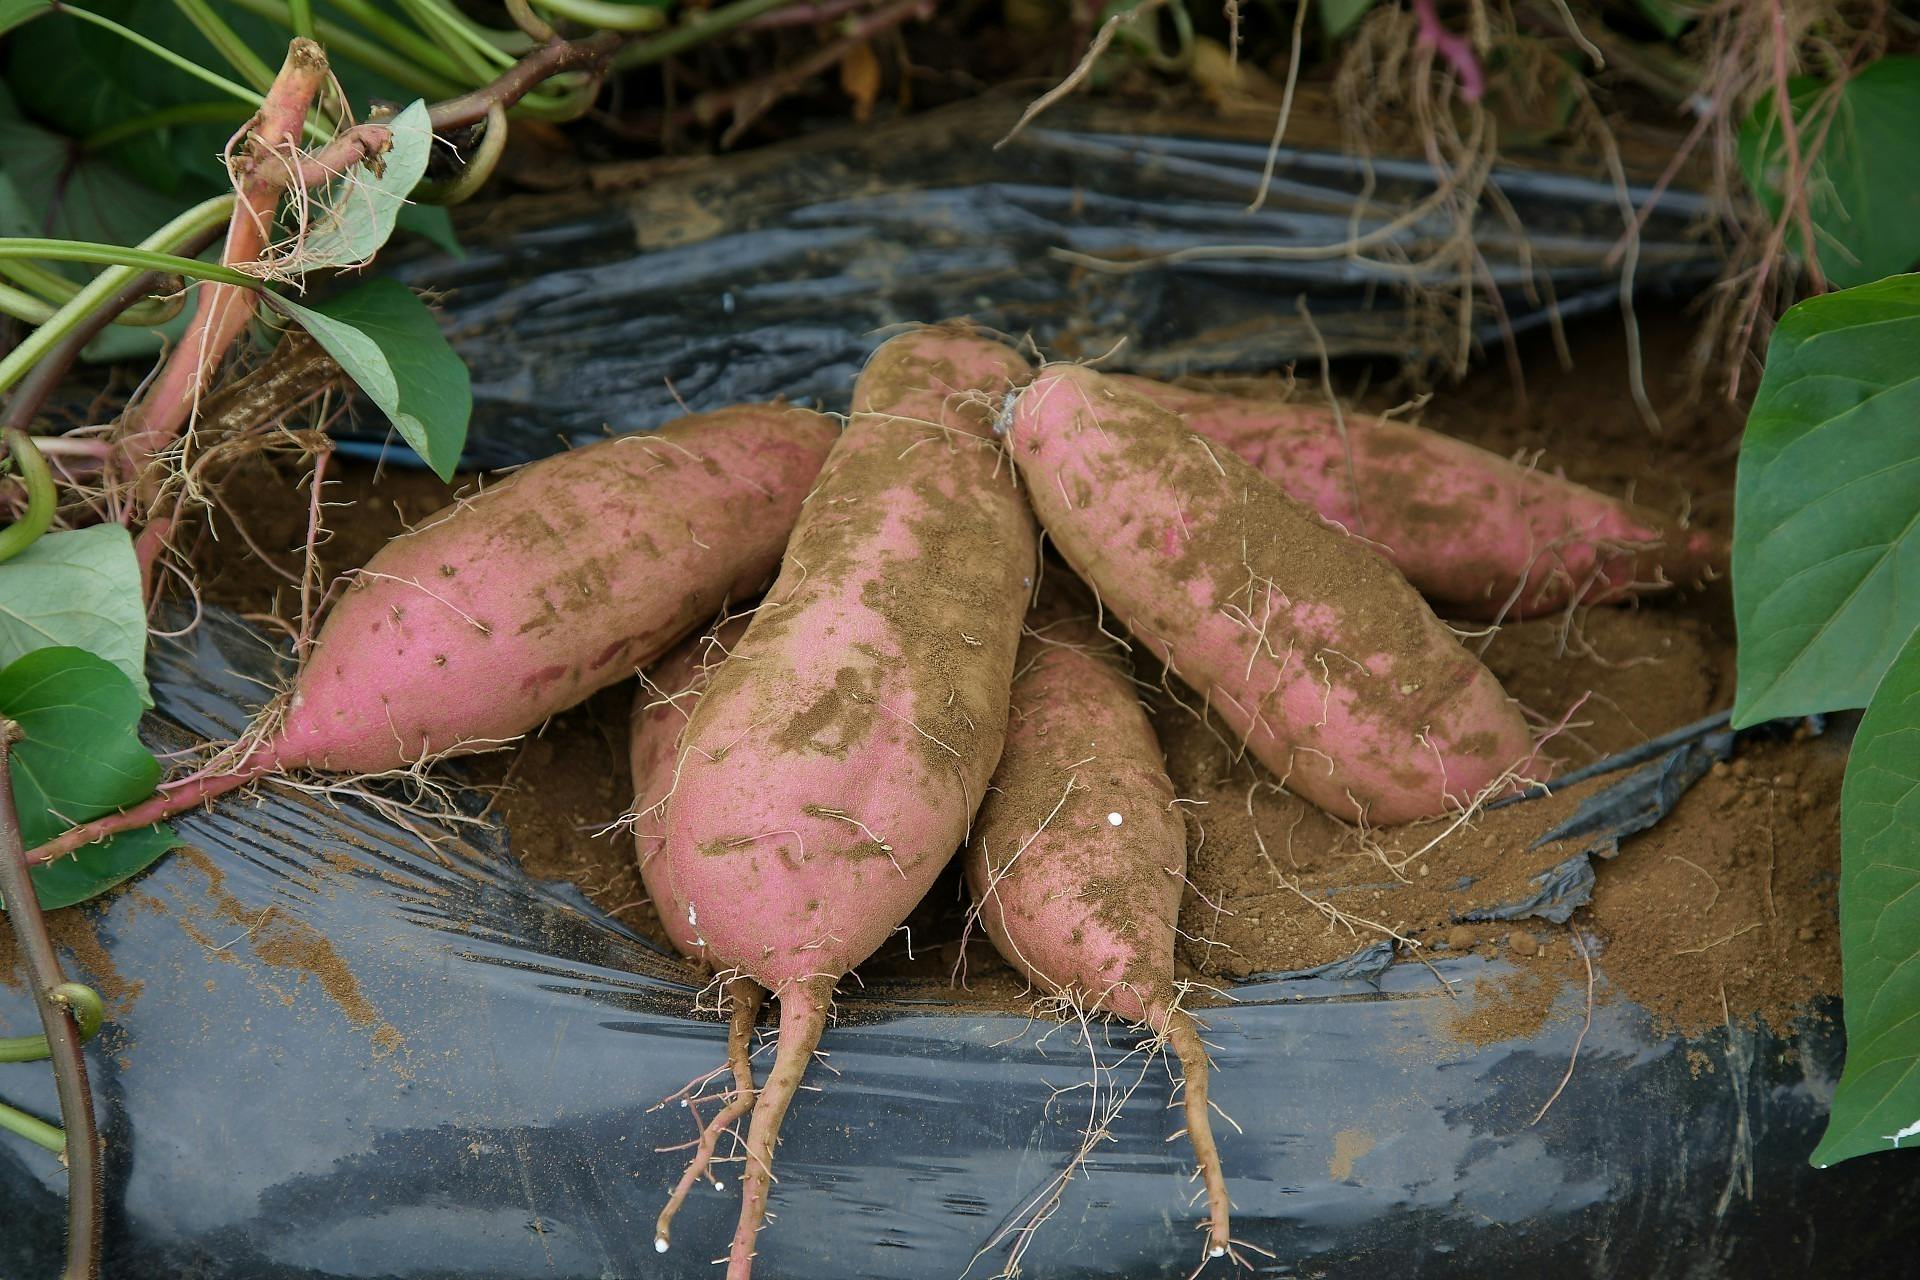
(62, 1030)
(30, 394)
(221, 311)
(269, 162)
(523, 77)
(751, 100)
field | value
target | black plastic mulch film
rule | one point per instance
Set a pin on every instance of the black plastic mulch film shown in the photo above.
(344, 1052)
(775, 272)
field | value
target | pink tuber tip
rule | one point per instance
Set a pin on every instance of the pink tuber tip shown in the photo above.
(1456, 49)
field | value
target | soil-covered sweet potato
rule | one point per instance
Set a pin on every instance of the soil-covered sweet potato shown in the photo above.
(669, 691)
(1078, 857)
(504, 608)
(837, 756)
(1482, 536)
(1303, 640)
(662, 706)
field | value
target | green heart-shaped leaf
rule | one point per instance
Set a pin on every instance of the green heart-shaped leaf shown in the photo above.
(1877, 1105)
(80, 757)
(1826, 529)
(78, 588)
(362, 205)
(390, 344)
(1860, 192)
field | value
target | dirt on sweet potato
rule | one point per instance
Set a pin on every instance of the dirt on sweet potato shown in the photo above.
(1733, 893)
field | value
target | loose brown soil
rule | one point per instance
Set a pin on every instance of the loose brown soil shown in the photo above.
(1725, 910)
(1732, 894)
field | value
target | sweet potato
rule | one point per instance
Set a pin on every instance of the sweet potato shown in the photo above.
(1078, 856)
(1310, 646)
(1485, 537)
(832, 766)
(505, 608)
(669, 690)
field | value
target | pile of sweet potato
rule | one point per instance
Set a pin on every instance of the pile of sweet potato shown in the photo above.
(920, 678)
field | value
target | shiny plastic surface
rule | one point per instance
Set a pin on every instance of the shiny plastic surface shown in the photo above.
(775, 271)
(335, 1051)
(351, 1055)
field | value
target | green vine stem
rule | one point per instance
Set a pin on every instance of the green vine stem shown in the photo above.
(531, 23)
(609, 15)
(34, 1129)
(88, 1011)
(31, 393)
(58, 1018)
(24, 306)
(480, 164)
(226, 42)
(476, 63)
(370, 54)
(402, 39)
(48, 284)
(691, 32)
(114, 255)
(56, 290)
(509, 42)
(208, 213)
(42, 501)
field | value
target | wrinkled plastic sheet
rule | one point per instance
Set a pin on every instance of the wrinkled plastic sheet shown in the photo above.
(774, 272)
(1657, 773)
(353, 1053)
(1662, 771)
(356, 1051)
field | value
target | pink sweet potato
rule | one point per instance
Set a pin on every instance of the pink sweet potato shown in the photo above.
(832, 765)
(1078, 856)
(1484, 537)
(505, 608)
(1312, 648)
(669, 691)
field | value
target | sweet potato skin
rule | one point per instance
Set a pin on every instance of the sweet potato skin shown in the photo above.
(1308, 644)
(669, 691)
(1078, 857)
(1074, 899)
(1479, 534)
(507, 607)
(836, 758)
